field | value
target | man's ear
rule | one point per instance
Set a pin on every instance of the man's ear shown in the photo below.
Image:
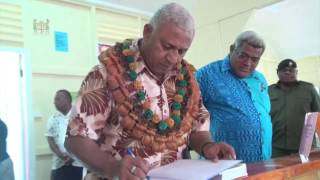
(231, 48)
(147, 31)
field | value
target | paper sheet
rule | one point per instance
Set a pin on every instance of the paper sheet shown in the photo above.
(191, 169)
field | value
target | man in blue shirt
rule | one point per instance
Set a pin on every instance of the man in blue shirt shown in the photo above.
(236, 96)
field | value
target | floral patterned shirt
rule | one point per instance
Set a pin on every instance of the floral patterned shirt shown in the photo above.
(56, 128)
(96, 116)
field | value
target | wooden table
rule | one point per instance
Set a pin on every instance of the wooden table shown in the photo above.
(289, 167)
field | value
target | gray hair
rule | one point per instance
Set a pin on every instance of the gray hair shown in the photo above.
(250, 37)
(173, 13)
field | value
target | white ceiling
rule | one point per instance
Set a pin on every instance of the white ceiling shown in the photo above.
(291, 27)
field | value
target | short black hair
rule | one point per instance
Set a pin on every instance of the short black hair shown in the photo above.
(67, 93)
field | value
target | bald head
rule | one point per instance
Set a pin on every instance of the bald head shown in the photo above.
(62, 101)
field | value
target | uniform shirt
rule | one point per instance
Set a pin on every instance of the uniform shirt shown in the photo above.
(101, 122)
(238, 109)
(57, 128)
(288, 109)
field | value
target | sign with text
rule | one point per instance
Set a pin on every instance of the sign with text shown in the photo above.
(307, 135)
(61, 41)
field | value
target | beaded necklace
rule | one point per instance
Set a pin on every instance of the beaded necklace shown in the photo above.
(148, 115)
(137, 117)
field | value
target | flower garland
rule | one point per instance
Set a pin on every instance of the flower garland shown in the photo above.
(137, 117)
(148, 115)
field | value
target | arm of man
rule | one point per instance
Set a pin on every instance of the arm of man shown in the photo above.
(88, 120)
(202, 143)
(89, 152)
(55, 149)
(103, 163)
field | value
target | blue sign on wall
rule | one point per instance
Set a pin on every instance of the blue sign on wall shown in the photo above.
(61, 41)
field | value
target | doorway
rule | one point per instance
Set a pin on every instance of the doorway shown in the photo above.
(15, 108)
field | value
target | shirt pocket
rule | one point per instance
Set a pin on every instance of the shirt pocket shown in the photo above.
(277, 104)
(221, 93)
(303, 103)
(274, 97)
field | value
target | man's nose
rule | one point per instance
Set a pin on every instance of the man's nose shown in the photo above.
(248, 62)
(173, 56)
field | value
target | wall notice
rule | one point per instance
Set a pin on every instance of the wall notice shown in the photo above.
(61, 41)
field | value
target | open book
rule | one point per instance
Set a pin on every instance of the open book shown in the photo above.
(195, 170)
(236, 171)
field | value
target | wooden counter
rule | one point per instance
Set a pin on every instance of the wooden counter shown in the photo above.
(289, 167)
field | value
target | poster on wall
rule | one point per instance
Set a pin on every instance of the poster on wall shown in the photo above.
(61, 41)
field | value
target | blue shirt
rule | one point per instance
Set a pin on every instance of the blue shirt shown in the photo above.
(239, 109)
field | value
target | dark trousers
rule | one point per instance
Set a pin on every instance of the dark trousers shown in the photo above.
(67, 173)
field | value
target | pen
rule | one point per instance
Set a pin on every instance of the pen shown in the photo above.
(130, 153)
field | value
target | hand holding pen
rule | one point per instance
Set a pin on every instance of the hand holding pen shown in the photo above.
(133, 167)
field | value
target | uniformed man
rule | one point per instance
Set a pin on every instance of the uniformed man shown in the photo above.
(290, 101)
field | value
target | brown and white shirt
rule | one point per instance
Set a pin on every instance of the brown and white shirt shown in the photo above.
(96, 116)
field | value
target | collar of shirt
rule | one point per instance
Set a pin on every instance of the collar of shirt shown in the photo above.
(226, 66)
(297, 83)
(60, 114)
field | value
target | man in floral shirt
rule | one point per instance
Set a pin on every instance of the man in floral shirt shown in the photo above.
(143, 96)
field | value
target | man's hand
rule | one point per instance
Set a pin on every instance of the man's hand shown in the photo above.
(201, 141)
(134, 168)
(215, 151)
(66, 159)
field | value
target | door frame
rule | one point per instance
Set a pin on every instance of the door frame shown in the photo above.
(27, 117)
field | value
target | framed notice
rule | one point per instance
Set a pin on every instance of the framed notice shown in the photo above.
(61, 41)
(308, 131)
